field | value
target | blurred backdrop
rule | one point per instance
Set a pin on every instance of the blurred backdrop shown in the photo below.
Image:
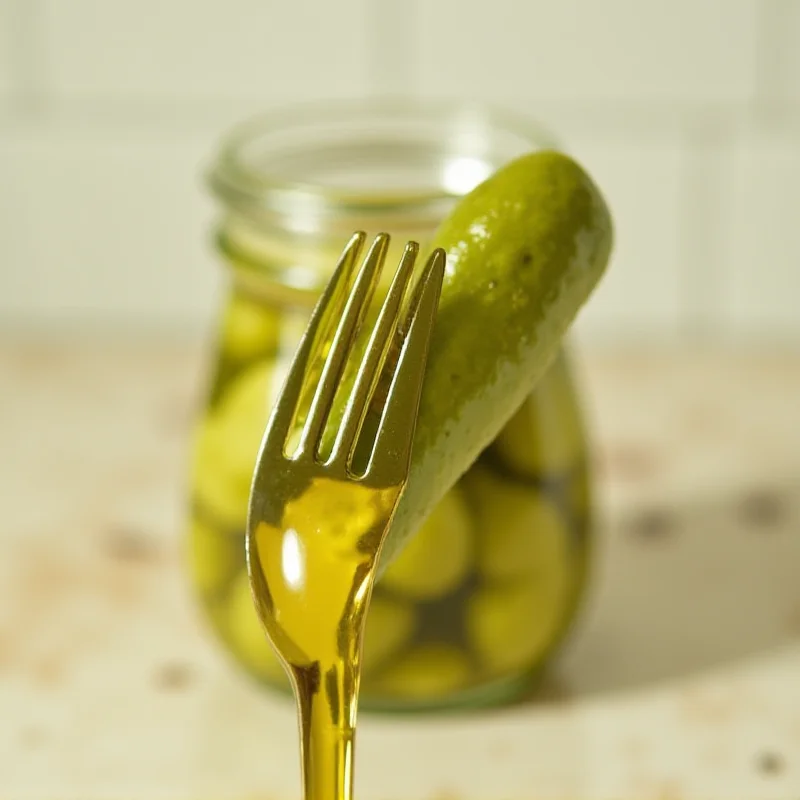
(687, 113)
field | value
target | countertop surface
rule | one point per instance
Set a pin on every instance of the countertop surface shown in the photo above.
(682, 679)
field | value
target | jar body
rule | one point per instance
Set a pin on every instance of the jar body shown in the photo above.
(482, 594)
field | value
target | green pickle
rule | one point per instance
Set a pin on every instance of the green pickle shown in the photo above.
(546, 434)
(478, 591)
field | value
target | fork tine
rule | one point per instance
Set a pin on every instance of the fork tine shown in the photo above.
(374, 357)
(391, 452)
(285, 407)
(352, 317)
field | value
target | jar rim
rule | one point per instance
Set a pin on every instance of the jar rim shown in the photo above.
(253, 175)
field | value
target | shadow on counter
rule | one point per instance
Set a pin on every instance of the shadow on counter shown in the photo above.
(679, 591)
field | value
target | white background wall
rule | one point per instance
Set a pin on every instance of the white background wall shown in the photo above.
(687, 112)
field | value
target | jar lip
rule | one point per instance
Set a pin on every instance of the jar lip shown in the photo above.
(272, 197)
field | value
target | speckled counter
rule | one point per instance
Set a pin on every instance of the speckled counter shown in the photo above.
(682, 679)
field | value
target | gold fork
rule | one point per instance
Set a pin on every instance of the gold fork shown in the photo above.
(317, 519)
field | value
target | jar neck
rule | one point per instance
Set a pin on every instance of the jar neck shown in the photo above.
(294, 187)
(279, 265)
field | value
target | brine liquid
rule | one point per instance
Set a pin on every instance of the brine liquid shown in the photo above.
(479, 595)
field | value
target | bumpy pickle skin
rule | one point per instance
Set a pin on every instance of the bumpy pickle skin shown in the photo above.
(524, 251)
(439, 556)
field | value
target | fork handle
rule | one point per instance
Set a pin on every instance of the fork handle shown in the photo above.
(327, 727)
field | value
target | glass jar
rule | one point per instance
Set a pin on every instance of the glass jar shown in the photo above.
(484, 592)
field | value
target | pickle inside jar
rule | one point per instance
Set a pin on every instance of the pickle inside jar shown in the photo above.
(521, 531)
(249, 329)
(246, 633)
(389, 628)
(214, 556)
(439, 556)
(427, 671)
(525, 559)
(228, 440)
